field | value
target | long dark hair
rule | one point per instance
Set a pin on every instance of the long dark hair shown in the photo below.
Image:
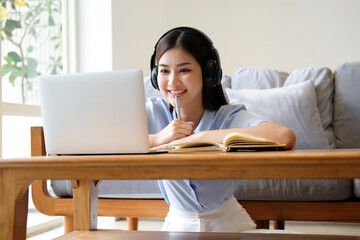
(199, 47)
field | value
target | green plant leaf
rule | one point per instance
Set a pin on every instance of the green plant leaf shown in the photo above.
(30, 49)
(8, 59)
(38, 7)
(15, 57)
(29, 15)
(10, 25)
(31, 73)
(8, 33)
(31, 68)
(13, 76)
(22, 71)
(37, 22)
(32, 63)
(53, 71)
(6, 69)
(57, 46)
(32, 31)
(29, 85)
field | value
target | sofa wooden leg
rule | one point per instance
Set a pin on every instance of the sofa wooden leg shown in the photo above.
(262, 224)
(280, 225)
(68, 224)
(132, 223)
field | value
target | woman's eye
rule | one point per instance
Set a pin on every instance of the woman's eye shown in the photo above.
(185, 70)
(163, 71)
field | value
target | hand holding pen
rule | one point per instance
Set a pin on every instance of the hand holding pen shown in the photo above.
(176, 131)
(178, 114)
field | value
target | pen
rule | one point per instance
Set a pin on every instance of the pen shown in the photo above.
(177, 107)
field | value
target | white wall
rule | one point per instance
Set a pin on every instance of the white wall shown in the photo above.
(93, 24)
(280, 34)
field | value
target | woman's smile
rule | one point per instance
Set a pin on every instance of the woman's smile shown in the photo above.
(177, 92)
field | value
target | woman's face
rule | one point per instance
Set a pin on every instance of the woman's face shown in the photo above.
(180, 75)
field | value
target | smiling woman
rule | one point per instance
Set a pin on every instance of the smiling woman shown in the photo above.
(186, 69)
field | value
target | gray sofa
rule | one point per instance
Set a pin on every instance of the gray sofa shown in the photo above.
(322, 107)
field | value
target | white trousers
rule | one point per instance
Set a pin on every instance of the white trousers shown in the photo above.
(229, 217)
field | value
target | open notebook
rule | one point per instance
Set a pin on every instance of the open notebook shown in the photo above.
(94, 113)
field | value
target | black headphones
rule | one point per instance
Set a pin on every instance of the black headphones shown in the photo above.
(211, 72)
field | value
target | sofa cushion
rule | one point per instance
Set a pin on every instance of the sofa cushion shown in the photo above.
(267, 190)
(324, 88)
(260, 78)
(132, 189)
(294, 190)
(347, 105)
(257, 78)
(293, 106)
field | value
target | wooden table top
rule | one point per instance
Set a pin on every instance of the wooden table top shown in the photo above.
(296, 164)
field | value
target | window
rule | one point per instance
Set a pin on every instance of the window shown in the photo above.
(31, 45)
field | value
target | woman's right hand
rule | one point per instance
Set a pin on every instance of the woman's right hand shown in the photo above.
(175, 130)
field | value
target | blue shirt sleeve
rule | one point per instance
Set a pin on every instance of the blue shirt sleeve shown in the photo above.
(228, 116)
(234, 116)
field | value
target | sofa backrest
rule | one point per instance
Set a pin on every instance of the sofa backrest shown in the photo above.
(347, 105)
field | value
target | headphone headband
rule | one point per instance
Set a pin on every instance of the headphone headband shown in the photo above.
(212, 72)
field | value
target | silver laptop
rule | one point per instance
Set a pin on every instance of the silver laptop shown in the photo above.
(94, 113)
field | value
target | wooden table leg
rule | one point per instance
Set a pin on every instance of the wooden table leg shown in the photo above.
(13, 206)
(85, 194)
(21, 213)
(7, 209)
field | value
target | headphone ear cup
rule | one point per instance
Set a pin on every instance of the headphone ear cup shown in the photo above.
(212, 74)
(154, 73)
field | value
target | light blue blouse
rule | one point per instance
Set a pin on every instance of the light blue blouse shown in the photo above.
(198, 195)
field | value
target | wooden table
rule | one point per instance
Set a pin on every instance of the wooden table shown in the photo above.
(17, 174)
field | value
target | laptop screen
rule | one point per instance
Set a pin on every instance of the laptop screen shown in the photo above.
(94, 113)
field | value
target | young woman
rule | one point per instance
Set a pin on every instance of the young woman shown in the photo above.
(186, 65)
